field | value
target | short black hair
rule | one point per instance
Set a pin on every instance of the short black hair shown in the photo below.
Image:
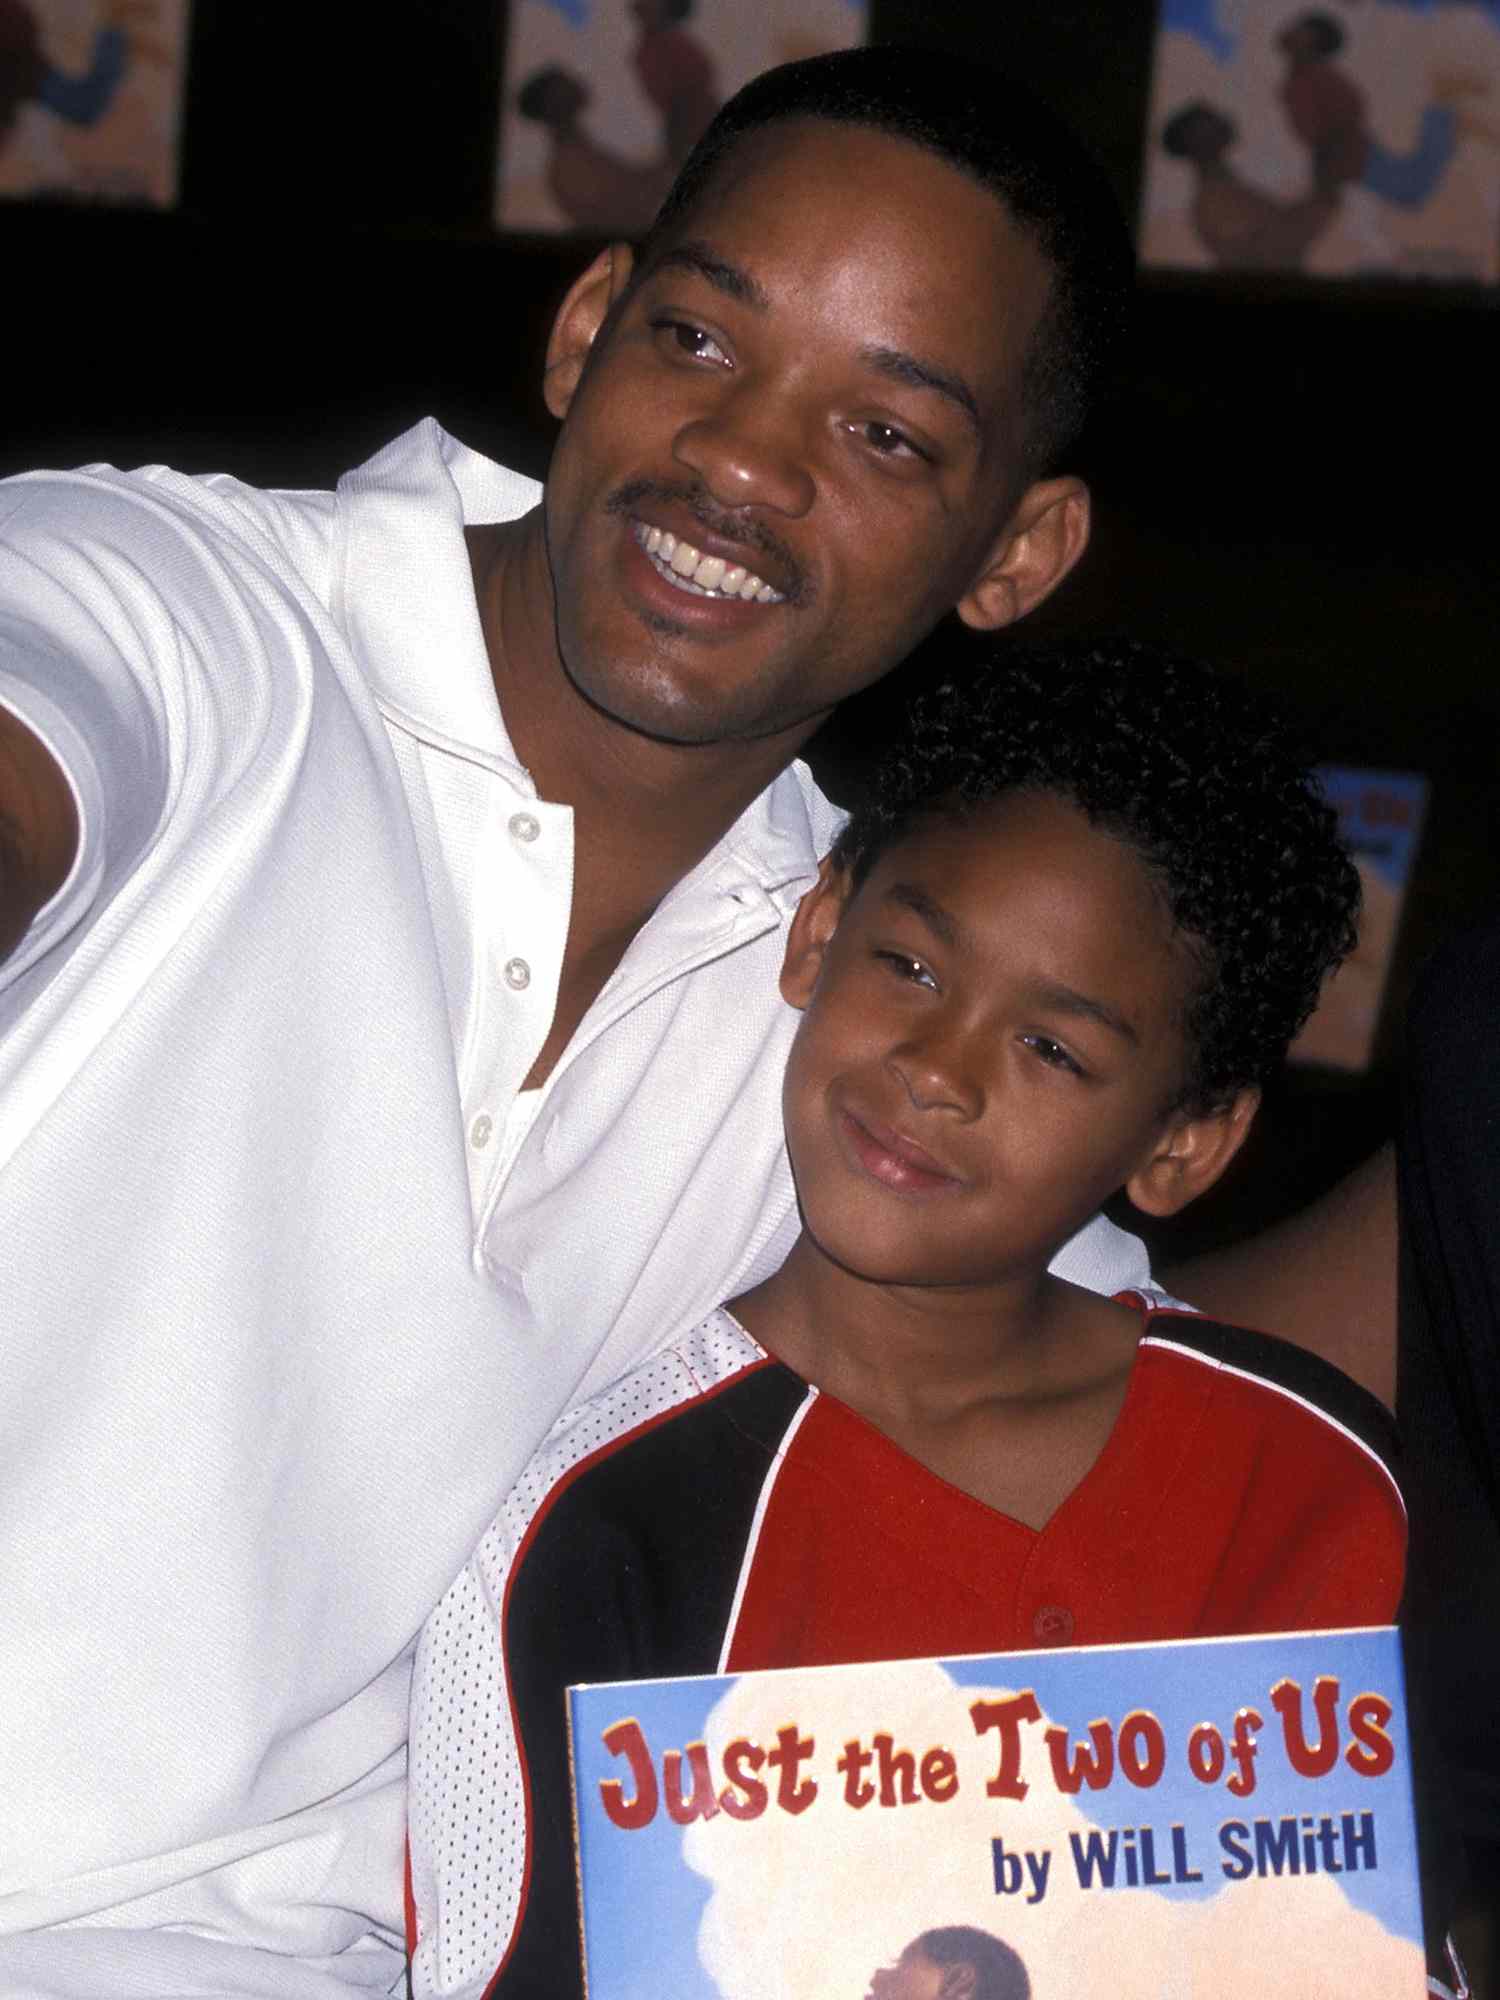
(1197, 772)
(999, 1973)
(1325, 30)
(995, 131)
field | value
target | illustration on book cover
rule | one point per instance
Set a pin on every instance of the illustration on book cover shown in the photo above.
(1218, 1818)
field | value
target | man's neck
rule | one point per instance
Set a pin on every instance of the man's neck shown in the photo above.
(658, 807)
(644, 812)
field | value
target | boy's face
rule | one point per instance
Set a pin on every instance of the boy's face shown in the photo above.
(990, 1046)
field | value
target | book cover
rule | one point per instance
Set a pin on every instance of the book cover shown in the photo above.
(1211, 1820)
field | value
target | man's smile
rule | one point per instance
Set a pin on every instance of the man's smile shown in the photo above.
(689, 569)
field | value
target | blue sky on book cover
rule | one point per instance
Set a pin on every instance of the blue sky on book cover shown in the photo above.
(1290, 1828)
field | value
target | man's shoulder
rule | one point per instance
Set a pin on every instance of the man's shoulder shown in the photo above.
(156, 513)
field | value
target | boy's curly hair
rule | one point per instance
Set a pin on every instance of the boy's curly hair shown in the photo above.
(1195, 771)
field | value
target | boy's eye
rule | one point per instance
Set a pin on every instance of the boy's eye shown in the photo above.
(906, 967)
(691, 340)
(1052, 1053)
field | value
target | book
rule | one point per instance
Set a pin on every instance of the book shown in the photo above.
(1206, 1820)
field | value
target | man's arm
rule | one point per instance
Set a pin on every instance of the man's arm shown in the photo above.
(1325, 1278)
(38, 828)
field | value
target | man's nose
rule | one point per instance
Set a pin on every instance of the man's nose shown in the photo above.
(749, 450)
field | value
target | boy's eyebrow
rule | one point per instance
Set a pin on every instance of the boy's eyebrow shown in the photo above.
(940, 921)
(1067, 1000)
(699, 260)
(1053, 993)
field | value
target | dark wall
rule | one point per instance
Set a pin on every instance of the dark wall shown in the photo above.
(1297, 480)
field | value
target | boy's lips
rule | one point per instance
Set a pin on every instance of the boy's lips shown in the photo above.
(894, 1158)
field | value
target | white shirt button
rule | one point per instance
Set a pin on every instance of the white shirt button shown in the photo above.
(525, 826)
(480, 1131)
(517, 973)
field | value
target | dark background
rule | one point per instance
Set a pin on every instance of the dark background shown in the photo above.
(1297, 481)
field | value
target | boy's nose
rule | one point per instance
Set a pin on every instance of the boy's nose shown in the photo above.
(936, 1075)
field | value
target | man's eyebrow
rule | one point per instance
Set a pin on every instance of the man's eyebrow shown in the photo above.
(902, 367)
(700, 262)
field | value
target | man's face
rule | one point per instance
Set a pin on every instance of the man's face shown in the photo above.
(798, 441)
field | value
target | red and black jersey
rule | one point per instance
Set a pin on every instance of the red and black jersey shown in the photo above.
(714, 1512)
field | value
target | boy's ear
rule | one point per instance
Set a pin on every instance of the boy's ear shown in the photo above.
(578, 321)
(813, 926)
(1046, 533)
(1189, 1155)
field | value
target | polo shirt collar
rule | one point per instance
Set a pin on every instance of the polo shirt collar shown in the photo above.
(405, 592)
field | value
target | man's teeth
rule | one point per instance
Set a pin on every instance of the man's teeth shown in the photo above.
(705, 576)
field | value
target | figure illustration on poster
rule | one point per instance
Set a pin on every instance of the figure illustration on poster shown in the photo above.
(604, 99)
(90, 98)
(1366, 138)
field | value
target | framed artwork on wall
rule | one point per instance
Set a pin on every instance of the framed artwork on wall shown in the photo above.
(603, 99)
(91, 99)
(1356, 139)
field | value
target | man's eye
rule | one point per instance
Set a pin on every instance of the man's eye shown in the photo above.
(887, 440)
(691, 340)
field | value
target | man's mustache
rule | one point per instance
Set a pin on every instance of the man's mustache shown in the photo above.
(727, 524)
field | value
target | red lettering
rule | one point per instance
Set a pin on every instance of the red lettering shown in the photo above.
(1308, 1760)
(1006, 1716)
(1205, 1754)
(1092, 1769)
(858, 1791)
(741, 1759)
(792, 1751)
(1372, 1752)
(700, 1803)
(895, 1765)
(1243, 1747)
(940, 1776)
(1142, 1748)
(627, 1740)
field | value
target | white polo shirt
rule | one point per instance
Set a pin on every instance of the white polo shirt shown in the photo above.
(293, 1283)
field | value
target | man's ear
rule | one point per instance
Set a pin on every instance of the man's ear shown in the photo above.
(812, 928)
(578, 321)
(1189, 1155)
(1048, 530)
